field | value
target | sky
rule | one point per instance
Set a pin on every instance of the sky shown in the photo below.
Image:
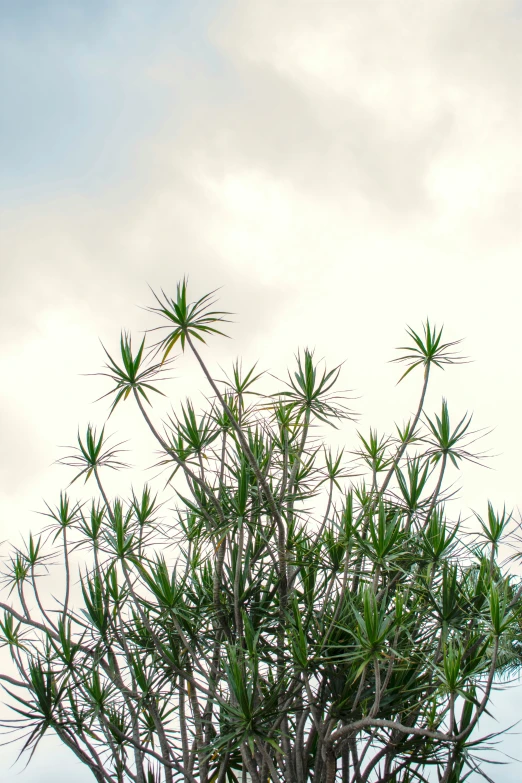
(339, 168)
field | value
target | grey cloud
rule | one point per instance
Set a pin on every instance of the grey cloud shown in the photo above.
(457, 58)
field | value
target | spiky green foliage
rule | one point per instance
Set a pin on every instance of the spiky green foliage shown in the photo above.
(299, 616)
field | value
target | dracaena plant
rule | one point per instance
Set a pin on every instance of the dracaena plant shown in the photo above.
(293, 613)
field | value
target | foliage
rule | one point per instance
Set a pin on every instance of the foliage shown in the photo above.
(302, 615)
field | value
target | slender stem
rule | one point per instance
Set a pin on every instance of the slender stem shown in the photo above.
(67, 576)
(182, 464)
(253, 462)
(436, 491)
(377, 701)
(402, 448)
(237, 580)
(183, 722)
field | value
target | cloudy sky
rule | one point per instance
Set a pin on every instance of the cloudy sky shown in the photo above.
(342, 168)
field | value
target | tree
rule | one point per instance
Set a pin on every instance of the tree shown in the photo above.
(301, 615)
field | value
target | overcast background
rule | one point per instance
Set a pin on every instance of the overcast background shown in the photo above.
(342, 168)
